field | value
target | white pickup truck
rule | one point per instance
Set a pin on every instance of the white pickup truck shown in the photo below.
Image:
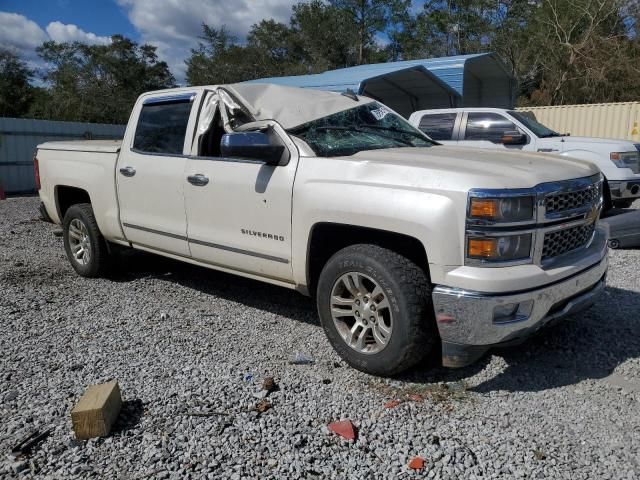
(499, 129)
(408, 247)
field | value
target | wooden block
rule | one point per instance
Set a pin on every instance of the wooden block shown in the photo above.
(97, 410)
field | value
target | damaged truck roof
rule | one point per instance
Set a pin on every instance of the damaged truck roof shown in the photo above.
(291, 106)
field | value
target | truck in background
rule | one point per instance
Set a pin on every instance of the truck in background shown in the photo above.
(500, 129)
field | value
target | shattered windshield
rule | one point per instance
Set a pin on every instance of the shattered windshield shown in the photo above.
(367, 127)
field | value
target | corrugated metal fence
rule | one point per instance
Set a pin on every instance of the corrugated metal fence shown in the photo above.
(19, 137)
(605, 120)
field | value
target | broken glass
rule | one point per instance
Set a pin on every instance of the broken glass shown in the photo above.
(370, 126)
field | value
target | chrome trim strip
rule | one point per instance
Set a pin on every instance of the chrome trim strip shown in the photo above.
(157, 232)
(208, 264)
(208, 244)
(238, 250)
(180, 97)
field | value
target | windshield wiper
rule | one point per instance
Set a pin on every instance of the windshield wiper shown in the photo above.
(358, 129)
(553, 134)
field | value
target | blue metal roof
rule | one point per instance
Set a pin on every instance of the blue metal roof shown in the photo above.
(448, 70)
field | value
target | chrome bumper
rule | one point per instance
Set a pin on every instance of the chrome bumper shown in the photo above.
(624, 189)
(467, 320)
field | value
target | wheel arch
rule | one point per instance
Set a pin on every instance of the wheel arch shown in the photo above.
(66, 196)
(327, 238)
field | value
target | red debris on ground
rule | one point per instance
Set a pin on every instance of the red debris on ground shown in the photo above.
(392, 404)
(416, 463)
(416, 398)
(344, 428)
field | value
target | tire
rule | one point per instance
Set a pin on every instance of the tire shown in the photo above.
(622, 203)
(400, 332)
(614, 243)
(80, 233)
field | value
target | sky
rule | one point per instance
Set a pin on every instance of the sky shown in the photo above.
(171, 25)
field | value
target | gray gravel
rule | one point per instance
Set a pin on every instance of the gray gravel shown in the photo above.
(191, 347)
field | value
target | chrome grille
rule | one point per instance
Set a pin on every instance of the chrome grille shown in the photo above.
(563, 241)
(565, 201)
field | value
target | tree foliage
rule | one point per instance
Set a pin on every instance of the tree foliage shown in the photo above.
(98, 83)
(16, 93)
(560, 51)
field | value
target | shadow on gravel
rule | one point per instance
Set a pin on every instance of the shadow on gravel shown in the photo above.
(589, 345)
(130, 416)
(134, 265)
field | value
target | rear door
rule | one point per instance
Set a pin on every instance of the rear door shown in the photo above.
(485, 130)
(441, 127)
(150, 173)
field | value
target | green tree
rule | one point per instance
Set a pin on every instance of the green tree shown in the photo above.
(369, 18)
(98, 83)
(16, 94)
(324, 36)
(213, 62)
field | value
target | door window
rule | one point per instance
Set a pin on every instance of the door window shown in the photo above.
(162, 127)
(487, 126)
(438, 126)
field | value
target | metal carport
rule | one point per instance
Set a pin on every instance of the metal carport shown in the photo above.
(466, 80)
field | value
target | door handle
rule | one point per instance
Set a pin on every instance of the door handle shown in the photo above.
(198, 180)
(128, 171)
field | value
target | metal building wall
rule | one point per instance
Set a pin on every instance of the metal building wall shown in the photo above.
(20, 136)
(605, 120)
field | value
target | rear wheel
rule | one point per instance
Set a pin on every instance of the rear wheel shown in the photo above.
(375, 307)
(84, 244)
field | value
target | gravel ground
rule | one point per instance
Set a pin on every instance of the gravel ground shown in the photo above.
(190, 348)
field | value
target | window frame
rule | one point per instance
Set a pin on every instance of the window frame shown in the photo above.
(194, 98)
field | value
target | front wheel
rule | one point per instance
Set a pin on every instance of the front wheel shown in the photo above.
(84, 244)
(375, 307)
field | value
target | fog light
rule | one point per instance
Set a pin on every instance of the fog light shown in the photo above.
(512, 312)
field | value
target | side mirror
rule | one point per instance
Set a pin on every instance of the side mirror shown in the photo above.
(251, 145)
(514, 137)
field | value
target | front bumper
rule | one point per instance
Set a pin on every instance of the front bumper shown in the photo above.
(624, 189)
(468, 324)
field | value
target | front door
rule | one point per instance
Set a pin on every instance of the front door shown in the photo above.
(239, 211)
(485, 130)
(150, 175)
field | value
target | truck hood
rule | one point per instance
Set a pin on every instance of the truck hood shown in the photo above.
(608, 144)
(463, 168)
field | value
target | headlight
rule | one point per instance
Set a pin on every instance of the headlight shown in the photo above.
(626, 160)
(502, 210)
(503, 248)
